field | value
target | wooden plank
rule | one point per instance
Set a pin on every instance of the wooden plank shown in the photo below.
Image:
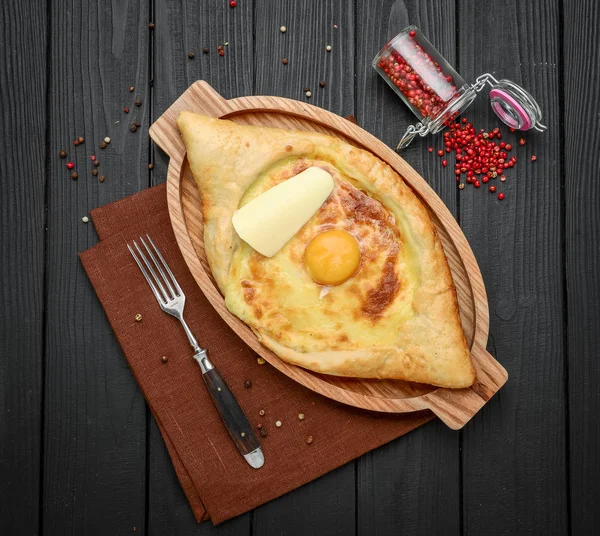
(582, 240)
(95, 431)
(183, 27)
(514, 455)
(186, 26)
(22, 183)
(327, 503)
(411, 486)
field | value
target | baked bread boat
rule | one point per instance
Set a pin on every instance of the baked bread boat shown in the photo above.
(396, 316)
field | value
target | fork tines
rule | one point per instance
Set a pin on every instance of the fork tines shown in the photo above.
(156, 271)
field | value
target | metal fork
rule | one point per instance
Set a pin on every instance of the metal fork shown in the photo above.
(171, 299)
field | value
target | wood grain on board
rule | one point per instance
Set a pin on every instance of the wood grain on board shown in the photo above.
(582, 243)
(95, 433)
(514, 454)
(23, 122)
(412, 485)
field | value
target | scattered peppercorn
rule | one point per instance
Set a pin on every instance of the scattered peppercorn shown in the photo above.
(70, 165)
(283, 29)
(476, 154)
(81, 139)
(220, 50)
(76, 143)
(150, 166)
(512, 130)
(248, 384)
(328, 48)
(263, 432)
(284, 61)
(260, 360)
(137, 124)
(261, 412)
(151, 25)
(74, 175)
(430, 149)
(164, 359)
(92, 157)
(412, 33)
(259, 426)
(322, 83)
(103, 144)
(85, 219)
(501, 196)
(107, 140)
(96, 163)
(308, 94)
(533, 158)
(492, 188)
(132, 127)
(101, 179)
(138, 103)
(138, 317)
(191, 55)
(309, 439)
(522, 141)
(95, 172)
(301, 416)
(126, 110)
(278, 424)
(205, 50)
(131, 89)
(62, 153)
(232, 3)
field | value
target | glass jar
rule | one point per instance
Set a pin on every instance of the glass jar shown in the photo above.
(423, 79)
(437, 94)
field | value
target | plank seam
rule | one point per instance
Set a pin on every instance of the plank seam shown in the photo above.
(148, 419)
(563, 228)
(48, 97)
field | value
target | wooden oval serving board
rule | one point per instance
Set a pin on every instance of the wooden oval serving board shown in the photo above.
(454, 406)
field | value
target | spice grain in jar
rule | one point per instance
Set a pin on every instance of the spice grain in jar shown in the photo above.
(422, 78)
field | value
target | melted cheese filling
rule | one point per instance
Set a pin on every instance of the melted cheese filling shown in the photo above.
(367, 307)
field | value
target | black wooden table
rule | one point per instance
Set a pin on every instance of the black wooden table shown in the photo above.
(79, 452)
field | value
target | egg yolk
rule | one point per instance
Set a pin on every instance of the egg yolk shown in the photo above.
(332, 257)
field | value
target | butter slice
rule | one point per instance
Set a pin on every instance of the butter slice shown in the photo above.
(268, 221)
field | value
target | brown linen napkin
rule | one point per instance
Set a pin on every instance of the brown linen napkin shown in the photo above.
(216, 479)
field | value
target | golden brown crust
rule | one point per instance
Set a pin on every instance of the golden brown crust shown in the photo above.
(226, 159)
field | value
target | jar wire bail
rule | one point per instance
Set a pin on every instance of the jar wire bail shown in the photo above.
(410, 133)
